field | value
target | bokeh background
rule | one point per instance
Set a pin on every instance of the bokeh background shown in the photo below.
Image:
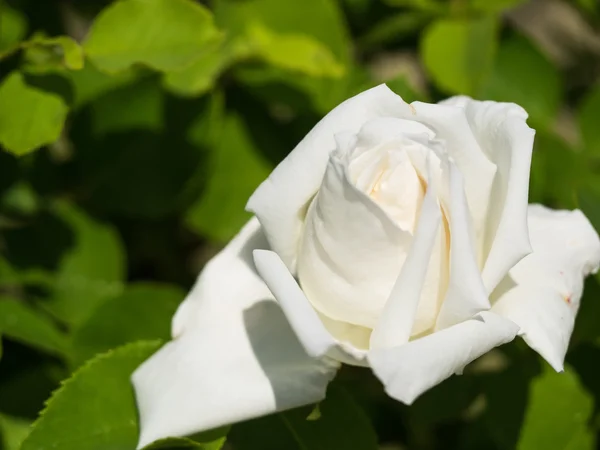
(132, 134)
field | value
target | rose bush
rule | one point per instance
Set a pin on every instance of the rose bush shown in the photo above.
(395, 236)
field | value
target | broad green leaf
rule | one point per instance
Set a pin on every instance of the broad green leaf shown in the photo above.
(162, 34)
(95, 408)
(320, 19)
(29, 117)
(13, 430)
(52, 53)
(91, 271)
(435, 6)
(589, 112)
(138, 105)
(401, 86)
(557, 413)
(556, 171)
(295, 52)
(236, 169)
(13, 27)
(342, 425)
(458, 53)
(200, 76)
(185, 444)
(393, 28)
(142, 312)
(90, 83)
(522, 75)
(495, 6)
(24, 324)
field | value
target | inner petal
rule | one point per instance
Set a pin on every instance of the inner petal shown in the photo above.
(387, 175)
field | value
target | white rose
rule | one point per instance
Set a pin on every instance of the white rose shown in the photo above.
(394, 236)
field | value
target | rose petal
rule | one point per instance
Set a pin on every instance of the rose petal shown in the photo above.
(351, 252)
(396, 321)
(451, 125)
(548, 284)
(410, 369)
(504, 136)
(304, 320)
(280, 202)
(466, 294)
(235, 356)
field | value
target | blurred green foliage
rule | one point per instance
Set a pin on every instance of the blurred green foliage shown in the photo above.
(132, 133)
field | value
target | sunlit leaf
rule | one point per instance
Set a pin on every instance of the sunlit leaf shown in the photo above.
(29, 117)
(458, 53)
(162, 34)
(51, 53)
(522, 75)
(557, 413)
(13, 430)
(90, 83)
(96, 405)
(320, 19)
(294, 52)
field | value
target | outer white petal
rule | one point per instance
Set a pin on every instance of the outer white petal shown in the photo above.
(466, 294)
(410, 369)
(397, 318)
(351, 251)
(547, 285)
(504, 136)
(280, 202)
(305, 321)
(234, 356)
(451, 125)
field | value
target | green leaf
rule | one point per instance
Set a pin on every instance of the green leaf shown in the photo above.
(24, 324)
(236, 169)
(13, 28)
(458, 53)
(556, 171)
(162, 34)
(434, 6)
(29, 117)
(295, 52)
(557, 413)
(90, 83)
(200, 76)
(142, 312)
(393, 28)
(321, 19)
(495, 6)
(186, 443)
(44, 54)
(134, 106)
(13, 431)
(91, 271)
(108, 418)
(589, 112)
(342, 425)
(522, 75)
